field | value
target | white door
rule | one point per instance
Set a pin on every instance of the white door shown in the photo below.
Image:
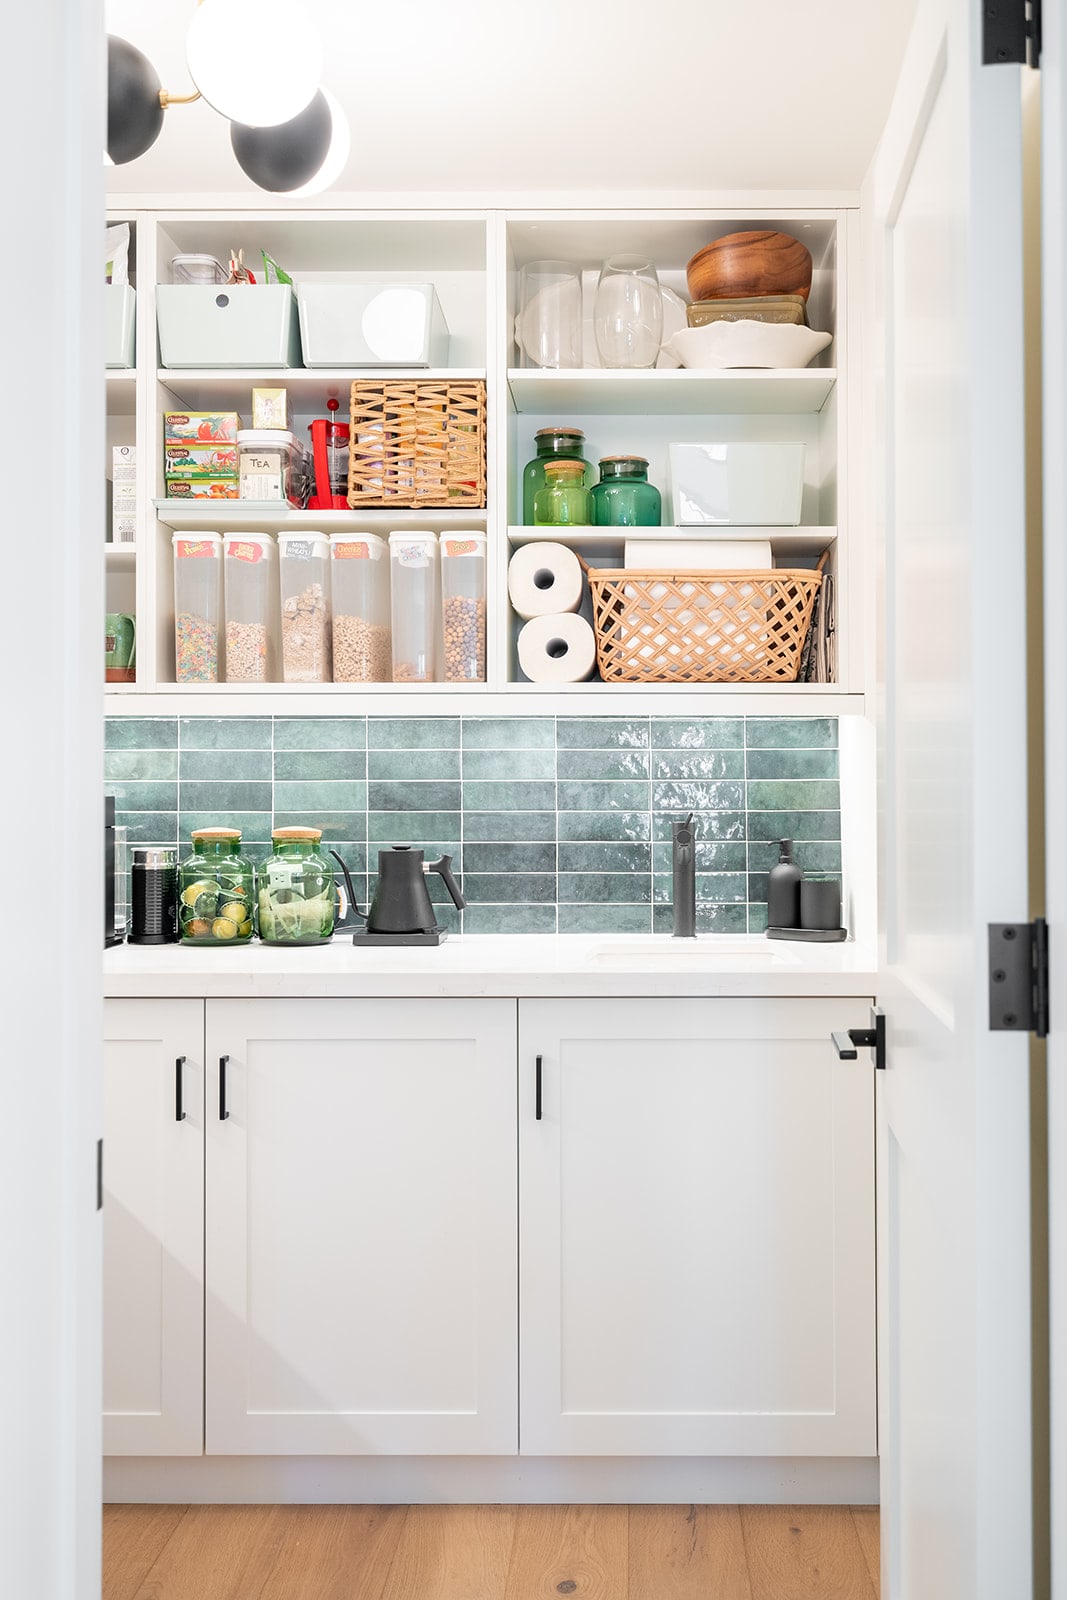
(944, 237)
(1054, 347)
(361, 1238)
(153, 1227)
(696, 1229)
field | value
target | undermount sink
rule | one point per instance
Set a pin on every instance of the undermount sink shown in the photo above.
(665, 953)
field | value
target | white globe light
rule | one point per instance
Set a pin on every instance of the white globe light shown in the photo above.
(256, 64)
(336, 156)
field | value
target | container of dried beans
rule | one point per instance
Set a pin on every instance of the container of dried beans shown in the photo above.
(463, 606)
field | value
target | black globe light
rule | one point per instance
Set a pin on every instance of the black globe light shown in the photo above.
(134, 107)
(288, 155)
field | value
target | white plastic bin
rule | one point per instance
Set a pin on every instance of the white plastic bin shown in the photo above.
(359, 593)
(251, 584)
(736, 484)
(197, 606)
(305, 600)
(463, 606)
(372, 325)
(414, 587)
(239, 325)
(120, 324)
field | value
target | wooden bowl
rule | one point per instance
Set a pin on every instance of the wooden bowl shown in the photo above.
(742, 264)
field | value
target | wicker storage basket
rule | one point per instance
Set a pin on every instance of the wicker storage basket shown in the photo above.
(417, 443)
(701, 627)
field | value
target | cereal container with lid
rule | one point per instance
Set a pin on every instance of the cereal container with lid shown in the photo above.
(463, 606)
(305, 600)
(216, 900)
(197, 606)
(359, 591)
(250, 570)
(413, 580)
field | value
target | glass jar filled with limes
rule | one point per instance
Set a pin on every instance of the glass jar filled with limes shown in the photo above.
(216, 890)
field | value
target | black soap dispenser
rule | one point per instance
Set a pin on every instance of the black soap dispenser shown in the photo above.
(783, 889)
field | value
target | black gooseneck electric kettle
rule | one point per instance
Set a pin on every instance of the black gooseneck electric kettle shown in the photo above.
(402, 911)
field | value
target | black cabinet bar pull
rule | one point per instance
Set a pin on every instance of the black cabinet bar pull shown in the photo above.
(224, 1110)
(537, 1090)
(179, 1098)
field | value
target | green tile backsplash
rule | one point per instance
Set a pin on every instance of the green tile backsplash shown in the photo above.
(556, 824)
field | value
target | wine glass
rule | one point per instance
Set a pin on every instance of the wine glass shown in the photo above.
(628, 313)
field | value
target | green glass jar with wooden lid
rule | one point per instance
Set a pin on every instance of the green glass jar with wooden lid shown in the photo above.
(296, 894)
(216, 890)
(624, 498)
(564, 502)
(552, 444)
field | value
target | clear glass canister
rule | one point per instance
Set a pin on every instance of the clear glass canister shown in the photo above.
(413, 591)
(251, 580)
(552, 444)
(305, 595)
(624, 498)
(270, 465)
(359, 592)
(463, 606)
(216, 902)
(297, 897)
(564, 501)
(197, 607)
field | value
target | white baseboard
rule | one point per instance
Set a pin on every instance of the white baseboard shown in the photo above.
(479, 1480)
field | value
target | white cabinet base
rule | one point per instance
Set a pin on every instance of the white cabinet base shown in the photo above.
(482, 1480)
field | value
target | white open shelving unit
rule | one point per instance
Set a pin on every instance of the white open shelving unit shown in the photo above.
(473, 258)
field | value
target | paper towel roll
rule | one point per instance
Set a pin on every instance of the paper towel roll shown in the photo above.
(557, 649)
(544, 579)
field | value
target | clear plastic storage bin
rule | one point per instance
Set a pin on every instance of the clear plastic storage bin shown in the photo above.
(305, 597)
(359, 592)
(197, 606)
(414, 608)
(463, 606)
(270, 465)
(251, 582)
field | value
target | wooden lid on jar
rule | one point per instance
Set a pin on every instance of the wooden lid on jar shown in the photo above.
(212, 834)
(293, 835)
(564, 469)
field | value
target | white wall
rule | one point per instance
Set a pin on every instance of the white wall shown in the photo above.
(51, 418)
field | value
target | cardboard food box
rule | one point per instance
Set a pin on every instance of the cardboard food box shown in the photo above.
(200, 460)
(200, 427)
(271, 409)
(202, 488)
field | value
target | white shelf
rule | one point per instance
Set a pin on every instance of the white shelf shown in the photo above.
(784, 542)
(268, 516)
(230, 389)
(595, 391)
(122, 553)
(476, 700)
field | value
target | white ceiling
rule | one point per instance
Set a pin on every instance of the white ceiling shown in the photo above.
(590, 95)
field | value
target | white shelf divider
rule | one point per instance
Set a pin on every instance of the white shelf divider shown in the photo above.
(595, 391)
(269, 516)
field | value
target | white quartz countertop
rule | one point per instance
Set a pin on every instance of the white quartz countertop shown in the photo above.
(521, 965)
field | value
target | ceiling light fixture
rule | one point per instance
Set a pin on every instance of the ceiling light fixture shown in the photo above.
(289, 134)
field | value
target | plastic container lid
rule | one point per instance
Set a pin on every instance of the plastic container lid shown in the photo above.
(195, 538)
(402, 536)
(376, 546)
(262, 540)
(265, 436)
(201, 265)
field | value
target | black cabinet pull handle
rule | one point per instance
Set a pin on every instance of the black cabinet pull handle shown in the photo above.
(537, 1090)
(849, 1040)
(224, 1110)
(179, 1098)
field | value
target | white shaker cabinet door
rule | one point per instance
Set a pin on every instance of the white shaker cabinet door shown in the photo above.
(361, 1191)
(697, 1238)
(153, 1227)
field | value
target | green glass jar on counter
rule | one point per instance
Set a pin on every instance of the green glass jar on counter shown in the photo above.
(216, 900)
(624, 498)
(564, 502)
(552, 444)
(297, 897)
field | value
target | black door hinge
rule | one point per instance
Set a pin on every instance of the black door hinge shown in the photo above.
(1018, 976)
(1011, 31)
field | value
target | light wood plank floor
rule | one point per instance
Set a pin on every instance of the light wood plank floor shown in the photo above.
(490, 1552)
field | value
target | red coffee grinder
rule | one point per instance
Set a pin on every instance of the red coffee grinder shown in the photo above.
(329, 445)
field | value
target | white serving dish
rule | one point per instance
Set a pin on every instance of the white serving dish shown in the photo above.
(697, 555)
(372, 325)
(736, 484)
(746, 344)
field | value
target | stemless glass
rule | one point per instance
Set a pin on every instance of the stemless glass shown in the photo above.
(628, 313)
(549, 325)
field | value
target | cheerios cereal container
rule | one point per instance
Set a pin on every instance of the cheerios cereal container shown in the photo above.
(359, 587)
(197, 606)
(251, 582)
(463, 606)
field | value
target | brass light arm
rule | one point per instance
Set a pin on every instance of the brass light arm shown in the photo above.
(166, 99)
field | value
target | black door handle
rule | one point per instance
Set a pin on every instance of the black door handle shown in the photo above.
(224, 1110)
(850, 1040)
(537, 1090)
(179, 1098)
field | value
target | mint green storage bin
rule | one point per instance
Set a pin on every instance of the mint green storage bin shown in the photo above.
(120, 322)
(231, 325)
